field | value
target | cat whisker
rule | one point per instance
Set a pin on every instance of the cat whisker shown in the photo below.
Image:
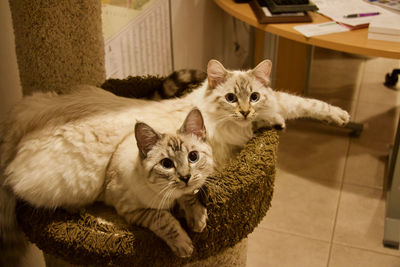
(155, 199)
(160, 205)
(166, 198)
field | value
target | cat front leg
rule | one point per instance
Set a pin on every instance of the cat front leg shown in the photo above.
(292, 107)
(165, 226)
(195, 212)
(276, 122)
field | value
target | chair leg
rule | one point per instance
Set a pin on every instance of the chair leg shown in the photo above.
(391, 236)
(391, 79)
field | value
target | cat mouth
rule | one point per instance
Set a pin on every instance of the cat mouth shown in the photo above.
(190, 189)
(243, 120)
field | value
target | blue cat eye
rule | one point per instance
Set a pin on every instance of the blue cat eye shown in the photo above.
(254, 97)
(193, 156)
(167, 163)
(230, 97)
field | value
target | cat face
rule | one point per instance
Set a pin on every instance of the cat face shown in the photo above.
(176, 164)
(241, 96)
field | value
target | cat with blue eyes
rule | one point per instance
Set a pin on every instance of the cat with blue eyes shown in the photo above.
(50, 142)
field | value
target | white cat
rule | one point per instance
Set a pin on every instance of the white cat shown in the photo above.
(145, 175)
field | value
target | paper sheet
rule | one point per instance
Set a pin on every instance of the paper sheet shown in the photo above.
(309, 30)
(337, 9)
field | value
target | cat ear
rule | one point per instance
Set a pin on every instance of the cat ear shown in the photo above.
(216, 73)
(262, 72)
(146, 138)
(194, 124)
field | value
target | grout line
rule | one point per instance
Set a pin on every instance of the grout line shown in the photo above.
(338, 203)
(368, 250)
(356, 100)
(293, 234)
(365, 186)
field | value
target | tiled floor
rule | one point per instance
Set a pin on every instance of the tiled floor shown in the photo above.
(328, 207)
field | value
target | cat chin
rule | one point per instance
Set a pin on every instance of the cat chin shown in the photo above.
(243, 122)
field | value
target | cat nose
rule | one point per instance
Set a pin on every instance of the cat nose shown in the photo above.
(185, 178)
(244, 113)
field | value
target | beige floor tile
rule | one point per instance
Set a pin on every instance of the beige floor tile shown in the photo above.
(303, 206)
(343, 256)
(380, 121)
(270, 249)
(311, 150)
(360, 219)
(373, 91)
(366, 163)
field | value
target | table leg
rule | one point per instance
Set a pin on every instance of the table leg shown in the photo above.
(293, 66)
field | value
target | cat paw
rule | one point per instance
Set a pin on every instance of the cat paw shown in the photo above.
(198, 222)
(339, 116)
(183, 248)
(279, 124)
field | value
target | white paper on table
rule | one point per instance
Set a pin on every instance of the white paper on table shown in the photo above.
(337, 9)
(309, 30)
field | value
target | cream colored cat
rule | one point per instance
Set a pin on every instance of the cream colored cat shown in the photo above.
(143, 177)
(144, 182)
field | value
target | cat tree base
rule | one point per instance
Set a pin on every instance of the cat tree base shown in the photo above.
(236, 203)
(235, 256)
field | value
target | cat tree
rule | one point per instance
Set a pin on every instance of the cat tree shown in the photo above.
(59, 44)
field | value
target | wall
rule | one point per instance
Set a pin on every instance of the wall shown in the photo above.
(10, 88)
(202, 31)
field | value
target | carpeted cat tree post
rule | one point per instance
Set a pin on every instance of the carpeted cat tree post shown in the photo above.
(60, 44)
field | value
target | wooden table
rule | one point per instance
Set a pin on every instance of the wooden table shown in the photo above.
(293, 48)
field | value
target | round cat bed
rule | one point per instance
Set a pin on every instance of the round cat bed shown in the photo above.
(236, 203)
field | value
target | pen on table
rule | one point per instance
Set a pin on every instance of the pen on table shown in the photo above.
(359, 15)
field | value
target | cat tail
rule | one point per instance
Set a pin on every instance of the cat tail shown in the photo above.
(181, 82)
(13, 243)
